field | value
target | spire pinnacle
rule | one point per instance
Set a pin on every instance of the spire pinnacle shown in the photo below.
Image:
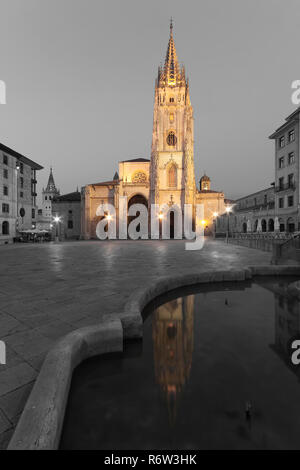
(51, 184)
(171, 74)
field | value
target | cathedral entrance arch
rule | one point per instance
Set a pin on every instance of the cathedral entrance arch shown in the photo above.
(136, 199)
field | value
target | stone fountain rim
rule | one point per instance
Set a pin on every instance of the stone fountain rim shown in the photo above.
(41, 422)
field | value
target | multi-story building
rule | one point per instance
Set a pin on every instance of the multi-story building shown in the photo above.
(287, 181)
(275, 209)
(18, 208)
(66, 209)
(252, 213)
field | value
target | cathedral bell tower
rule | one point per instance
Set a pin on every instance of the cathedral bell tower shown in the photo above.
(172, 156)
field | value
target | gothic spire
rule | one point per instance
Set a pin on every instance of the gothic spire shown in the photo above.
(51, 184)
(171, 74)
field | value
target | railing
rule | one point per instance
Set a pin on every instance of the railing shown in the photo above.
(285, 186)
(292, 243)
(266, 205)
(284, 236)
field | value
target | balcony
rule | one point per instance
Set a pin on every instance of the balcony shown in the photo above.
(285, 187)
(257, 207)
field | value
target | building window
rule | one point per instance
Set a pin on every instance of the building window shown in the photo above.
(5, 208)
(291, 158)
(290, 201)
(281, 203)
(280, 183)
(5, 228)
(21, 194)
(172, 177)
(21, 168)
(291, 180)
(292, 135)
(5, 190)
(281, 162)
(5, 160)
(5, 174)
(172, 99)
(171, 139)
(265, 199)
(22, 182)
(33, 213)
(70, 212)
(70, 224)
(281, 142)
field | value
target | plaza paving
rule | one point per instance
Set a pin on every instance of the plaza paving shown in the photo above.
(48, 290)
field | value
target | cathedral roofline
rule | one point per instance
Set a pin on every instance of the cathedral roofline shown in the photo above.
(136, 160)
(105, 183)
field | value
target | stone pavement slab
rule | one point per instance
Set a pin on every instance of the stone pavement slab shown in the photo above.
(47, 290)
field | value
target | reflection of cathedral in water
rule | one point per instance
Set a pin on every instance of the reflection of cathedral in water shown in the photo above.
(173, 344)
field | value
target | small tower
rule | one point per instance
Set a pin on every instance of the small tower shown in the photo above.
(47, 197)
(204, 183)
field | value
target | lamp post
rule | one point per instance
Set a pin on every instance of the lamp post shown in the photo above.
(56, 220)
(18, 166)
(215, 215)
(228, 210)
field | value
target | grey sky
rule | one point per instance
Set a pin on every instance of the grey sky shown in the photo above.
(80, 83)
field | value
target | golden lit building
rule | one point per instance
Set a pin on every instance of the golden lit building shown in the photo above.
(169, 177)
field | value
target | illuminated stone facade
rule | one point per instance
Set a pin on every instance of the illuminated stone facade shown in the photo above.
(169, 176)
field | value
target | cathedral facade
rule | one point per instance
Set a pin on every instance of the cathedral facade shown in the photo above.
(168, 178)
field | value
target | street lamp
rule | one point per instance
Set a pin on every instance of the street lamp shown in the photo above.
(57, 220)
(228, 210)
(215, 215)
(18, 166)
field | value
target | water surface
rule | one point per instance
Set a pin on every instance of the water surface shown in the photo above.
(204, 355)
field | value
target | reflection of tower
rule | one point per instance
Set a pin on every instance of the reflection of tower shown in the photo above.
(173, 343)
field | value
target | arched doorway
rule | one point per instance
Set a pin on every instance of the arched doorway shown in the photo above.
(263, 225)
(271, 225)
(136, 199)
(244, 227)
(5, 228)
(255, 225)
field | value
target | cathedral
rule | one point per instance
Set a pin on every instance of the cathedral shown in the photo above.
(168, 178)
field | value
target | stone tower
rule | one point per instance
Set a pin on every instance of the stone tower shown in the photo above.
(172, 158)
(47, 197)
